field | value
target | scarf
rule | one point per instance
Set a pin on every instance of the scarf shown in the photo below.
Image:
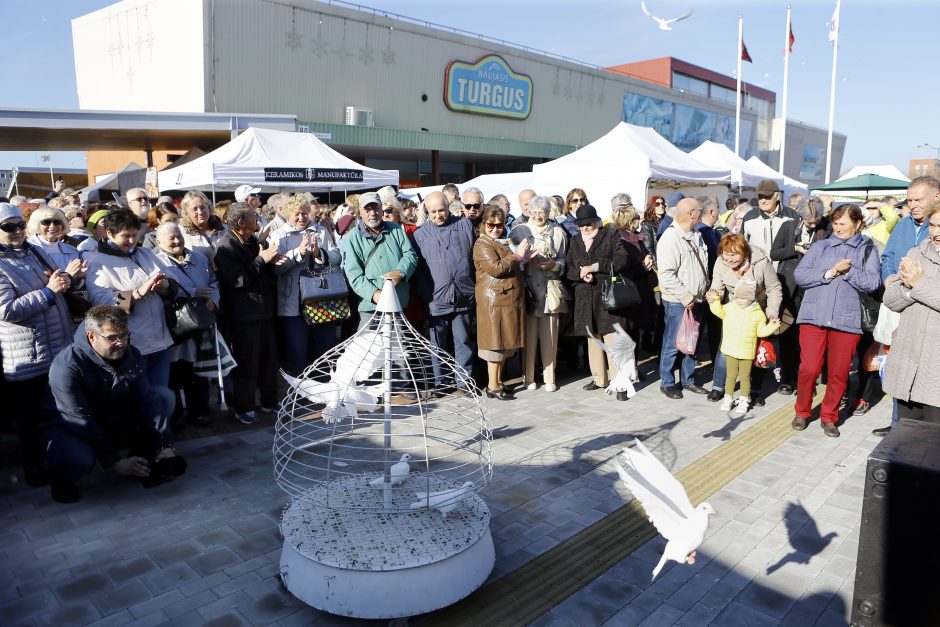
(589, 240)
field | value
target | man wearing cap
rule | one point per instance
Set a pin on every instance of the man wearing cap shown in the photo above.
(445, 280)
(763, 225)
(377, 250)
(683, 280)
(252, 196)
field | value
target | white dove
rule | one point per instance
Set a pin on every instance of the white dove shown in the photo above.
(663, 24)
(342, 399)
(443, 501)
(398, 472)
(363, 356)
(666, 503)
(622, 351)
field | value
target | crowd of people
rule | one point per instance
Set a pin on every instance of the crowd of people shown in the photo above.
(85, 290)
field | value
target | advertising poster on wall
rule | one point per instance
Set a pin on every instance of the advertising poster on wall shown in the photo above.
(692, 127)
(651, 112)
(813, 164)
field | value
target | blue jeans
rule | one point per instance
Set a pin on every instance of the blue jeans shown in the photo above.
(305, 343)
(157, 367)
(451, 334)
(667, 357)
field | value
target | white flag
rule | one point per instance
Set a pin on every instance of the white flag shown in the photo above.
(834, 24)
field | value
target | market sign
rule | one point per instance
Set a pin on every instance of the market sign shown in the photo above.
(487, 87)
(305, 175)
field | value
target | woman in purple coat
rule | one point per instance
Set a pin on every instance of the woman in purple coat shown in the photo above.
(833, 273)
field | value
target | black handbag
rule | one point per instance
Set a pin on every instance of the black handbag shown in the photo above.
(870, 303)
(618, 292)
(187, 316)
(324, 295)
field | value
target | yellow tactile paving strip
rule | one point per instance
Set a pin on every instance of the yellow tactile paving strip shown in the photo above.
(539, 585)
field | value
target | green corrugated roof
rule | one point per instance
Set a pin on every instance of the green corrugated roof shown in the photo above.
(342, 134)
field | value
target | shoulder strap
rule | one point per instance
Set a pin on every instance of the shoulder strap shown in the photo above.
(695, 250)
(369, 257)
(42, 260)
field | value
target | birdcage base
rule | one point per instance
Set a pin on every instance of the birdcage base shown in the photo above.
(455, 565)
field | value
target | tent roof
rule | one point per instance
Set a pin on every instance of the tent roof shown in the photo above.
(110, 183)
(865, 182)
(790, 186)
(888, 171)
(251, 157)
(743, 172)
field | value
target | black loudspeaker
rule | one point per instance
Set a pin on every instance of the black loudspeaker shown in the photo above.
(897, 579)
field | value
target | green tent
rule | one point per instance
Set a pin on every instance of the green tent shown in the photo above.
(864, 183)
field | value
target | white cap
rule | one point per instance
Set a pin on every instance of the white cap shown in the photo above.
(244, 191)
(368, 198)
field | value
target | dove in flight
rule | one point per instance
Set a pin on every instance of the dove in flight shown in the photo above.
(663, 24)
(363, 355)
(342, 399)
(666, 503)
(397, 473)
(443, 501)
(622, 351)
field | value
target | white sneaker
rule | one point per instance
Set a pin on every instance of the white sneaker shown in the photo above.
(532, 386)
(727, 403)
(550, 387)
(742, 405)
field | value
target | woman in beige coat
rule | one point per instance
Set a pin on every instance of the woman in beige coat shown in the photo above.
(500, 297)
(910, 373)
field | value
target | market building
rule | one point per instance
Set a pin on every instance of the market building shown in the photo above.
(434, 103)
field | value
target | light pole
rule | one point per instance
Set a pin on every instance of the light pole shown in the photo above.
(937, 148)
(47, 158)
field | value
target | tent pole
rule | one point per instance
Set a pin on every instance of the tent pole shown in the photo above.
(213, 194)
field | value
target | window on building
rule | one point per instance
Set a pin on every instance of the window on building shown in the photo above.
(686, 83)
(723, 94)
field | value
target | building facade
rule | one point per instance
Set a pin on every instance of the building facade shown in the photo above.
(393, 93)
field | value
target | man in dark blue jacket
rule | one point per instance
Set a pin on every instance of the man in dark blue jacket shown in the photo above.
(446, 280)
(102, 393)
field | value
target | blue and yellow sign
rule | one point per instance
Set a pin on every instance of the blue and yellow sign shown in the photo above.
(487, 87)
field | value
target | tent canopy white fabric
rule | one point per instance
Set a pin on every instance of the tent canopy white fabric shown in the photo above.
(887, 171)
(509, 183)
(106, 184)
(743, 172)
(789, 187)
(275, 161)
(624, 160)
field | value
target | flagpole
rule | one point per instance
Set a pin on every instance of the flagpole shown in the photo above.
(832, 91)
(786, 76)
(737, 108)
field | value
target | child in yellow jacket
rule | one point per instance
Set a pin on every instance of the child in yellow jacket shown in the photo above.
(744, 322)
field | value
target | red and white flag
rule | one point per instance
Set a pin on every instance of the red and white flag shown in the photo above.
(744, 54)
(792, 39)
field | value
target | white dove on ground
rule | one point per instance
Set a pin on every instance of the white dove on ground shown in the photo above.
(666, 503)
(622, 351)
(398, 472)
(342, 399)
(443, 501)
(663, 24)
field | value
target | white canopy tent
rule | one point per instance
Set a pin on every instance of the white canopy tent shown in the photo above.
(743, 172)
(102, 188)
(628, 159)
(509, 183)
(275, 161)
(790, 186)
(887, 171)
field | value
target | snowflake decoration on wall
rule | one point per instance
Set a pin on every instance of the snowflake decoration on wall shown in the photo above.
(366, 54)
(294, 40)
(388, 56)
(319, 47)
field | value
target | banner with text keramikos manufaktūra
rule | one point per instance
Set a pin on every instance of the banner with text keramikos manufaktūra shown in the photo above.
(487, 87)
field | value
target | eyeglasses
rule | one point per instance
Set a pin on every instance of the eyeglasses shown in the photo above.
(114, 339)
(13, 227)
(494, 225)
(764, 196)
(659, 203)
(388, 210)
(50, 222)
(579, 200)
(142, 200)
(473, 205)
(372, 208)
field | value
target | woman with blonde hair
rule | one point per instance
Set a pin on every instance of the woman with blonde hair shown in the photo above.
(47, 229)
(201, 229)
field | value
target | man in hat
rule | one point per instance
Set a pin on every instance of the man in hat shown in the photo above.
(683, 280)
(377, 250)
(252, 196)
(672, 200)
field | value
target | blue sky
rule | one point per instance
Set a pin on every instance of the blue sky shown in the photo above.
(886, 95)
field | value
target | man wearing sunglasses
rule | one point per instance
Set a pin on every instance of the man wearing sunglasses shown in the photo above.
(473, 205)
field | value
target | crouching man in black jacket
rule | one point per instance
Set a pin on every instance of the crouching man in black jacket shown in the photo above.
(103, 395)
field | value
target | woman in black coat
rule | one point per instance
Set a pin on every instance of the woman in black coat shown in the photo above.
(591, 255)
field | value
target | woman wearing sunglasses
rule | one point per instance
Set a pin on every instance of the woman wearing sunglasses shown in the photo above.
(47, 229)
(500, 297)
(34, 326)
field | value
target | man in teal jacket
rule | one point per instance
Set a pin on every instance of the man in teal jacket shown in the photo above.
(376, 250)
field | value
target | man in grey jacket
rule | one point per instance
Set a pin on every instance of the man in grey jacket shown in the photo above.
(683, 281)
(445, 279)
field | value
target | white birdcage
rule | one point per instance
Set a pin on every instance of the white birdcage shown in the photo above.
(382, 444)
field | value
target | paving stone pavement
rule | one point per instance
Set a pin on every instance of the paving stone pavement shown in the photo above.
(205, 549)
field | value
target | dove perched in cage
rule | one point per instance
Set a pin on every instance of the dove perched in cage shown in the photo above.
(622, 351)
(342, 400)
(666, 503)
(397, 473)
(443, 501)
